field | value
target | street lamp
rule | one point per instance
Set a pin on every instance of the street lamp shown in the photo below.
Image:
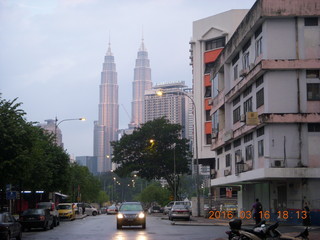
(64, 120)
(160, 93)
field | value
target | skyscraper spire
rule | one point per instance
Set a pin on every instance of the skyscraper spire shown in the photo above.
(105, 129)
(142, 81)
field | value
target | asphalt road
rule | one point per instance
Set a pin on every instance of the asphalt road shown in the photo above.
(103, 227)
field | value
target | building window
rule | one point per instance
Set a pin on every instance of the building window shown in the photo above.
(311, 21)
(215, 43)
(313, 127)
(219, 151)
(247, 91)
(207, 91)
(235, 72)
(258, 32)
(215, 122)
(227, 147)
(208, 67)
(247, 106)
(260, 148)
(260, 131)
(249, 152)
(228, 160)
(245, 60)
(236, 100)
(313, 91)
(260, 98)
(236, 115)
(258, 47)
(238, 155)
(208, 117)
(235, 59)
(218, 163)
(248, 137)
(259, 81)
(312, 73)
(237, 143)
(208, 138)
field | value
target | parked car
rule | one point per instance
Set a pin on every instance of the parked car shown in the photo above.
(131, 214)
(9, 227)
(168, 207)
(154, 209)
(103, 210)
(112, 210)
(53, 211)
(89, 210)
(36, 218)
(66, 211)
(179, 212)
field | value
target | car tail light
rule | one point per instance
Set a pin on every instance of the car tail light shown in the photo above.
(42, 218)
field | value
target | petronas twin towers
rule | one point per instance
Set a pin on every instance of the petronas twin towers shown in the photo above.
(106, 128)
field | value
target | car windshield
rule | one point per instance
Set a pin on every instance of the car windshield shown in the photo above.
(64, 206)
(33, 212)
(180, 207)
(131, 207)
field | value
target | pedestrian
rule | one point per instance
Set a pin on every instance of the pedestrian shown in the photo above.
(306, 219)
(257, 208)
(83, 209)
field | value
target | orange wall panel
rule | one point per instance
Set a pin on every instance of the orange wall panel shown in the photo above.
(206, 104)
(207, 81)
(208, 127)
(211, 56)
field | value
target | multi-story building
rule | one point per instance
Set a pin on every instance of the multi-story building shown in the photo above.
(51, 127)
(266, 109)
(88, 161)
(173, 104)
(106, 128)
(208, 39)
(142, 81)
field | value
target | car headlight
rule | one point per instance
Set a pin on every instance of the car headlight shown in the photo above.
(141, 215)
(120, 215)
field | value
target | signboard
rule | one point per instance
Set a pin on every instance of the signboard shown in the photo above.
(252, 118)
(11, 195)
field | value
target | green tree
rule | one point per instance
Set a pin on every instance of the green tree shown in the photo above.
(156, 160)
(154, 193)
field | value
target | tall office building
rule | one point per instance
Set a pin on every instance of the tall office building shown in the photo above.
(142, 81)
(173, 105)
(105, 129)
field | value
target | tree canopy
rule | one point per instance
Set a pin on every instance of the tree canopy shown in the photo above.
(156, 159)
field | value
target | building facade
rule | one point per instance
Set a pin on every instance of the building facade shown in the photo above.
(173, 105)
(106, 128)
(266, 110)
(208, 39)
(142, 81)
(88, 161)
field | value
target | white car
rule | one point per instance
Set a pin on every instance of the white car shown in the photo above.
(89, 210)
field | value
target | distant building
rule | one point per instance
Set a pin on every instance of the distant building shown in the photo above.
(208, 39)
(106, 128)
(142, 81)
(50, 127)
(173, 105)
(88, 161)
(266, 109)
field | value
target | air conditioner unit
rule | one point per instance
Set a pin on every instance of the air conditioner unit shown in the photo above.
(243, 72)
(227, 172)
(277, 163)
(243, 118)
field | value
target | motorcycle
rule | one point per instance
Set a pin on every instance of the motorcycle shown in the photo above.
(260, 232)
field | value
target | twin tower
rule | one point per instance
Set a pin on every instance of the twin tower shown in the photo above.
(106, 128)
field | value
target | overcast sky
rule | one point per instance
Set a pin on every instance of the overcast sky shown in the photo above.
(52, 53)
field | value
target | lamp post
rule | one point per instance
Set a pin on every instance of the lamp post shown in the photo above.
(64, 120)
(160, 93)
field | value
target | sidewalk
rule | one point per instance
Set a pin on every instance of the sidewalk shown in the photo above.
(81, 216)
(285, 229)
